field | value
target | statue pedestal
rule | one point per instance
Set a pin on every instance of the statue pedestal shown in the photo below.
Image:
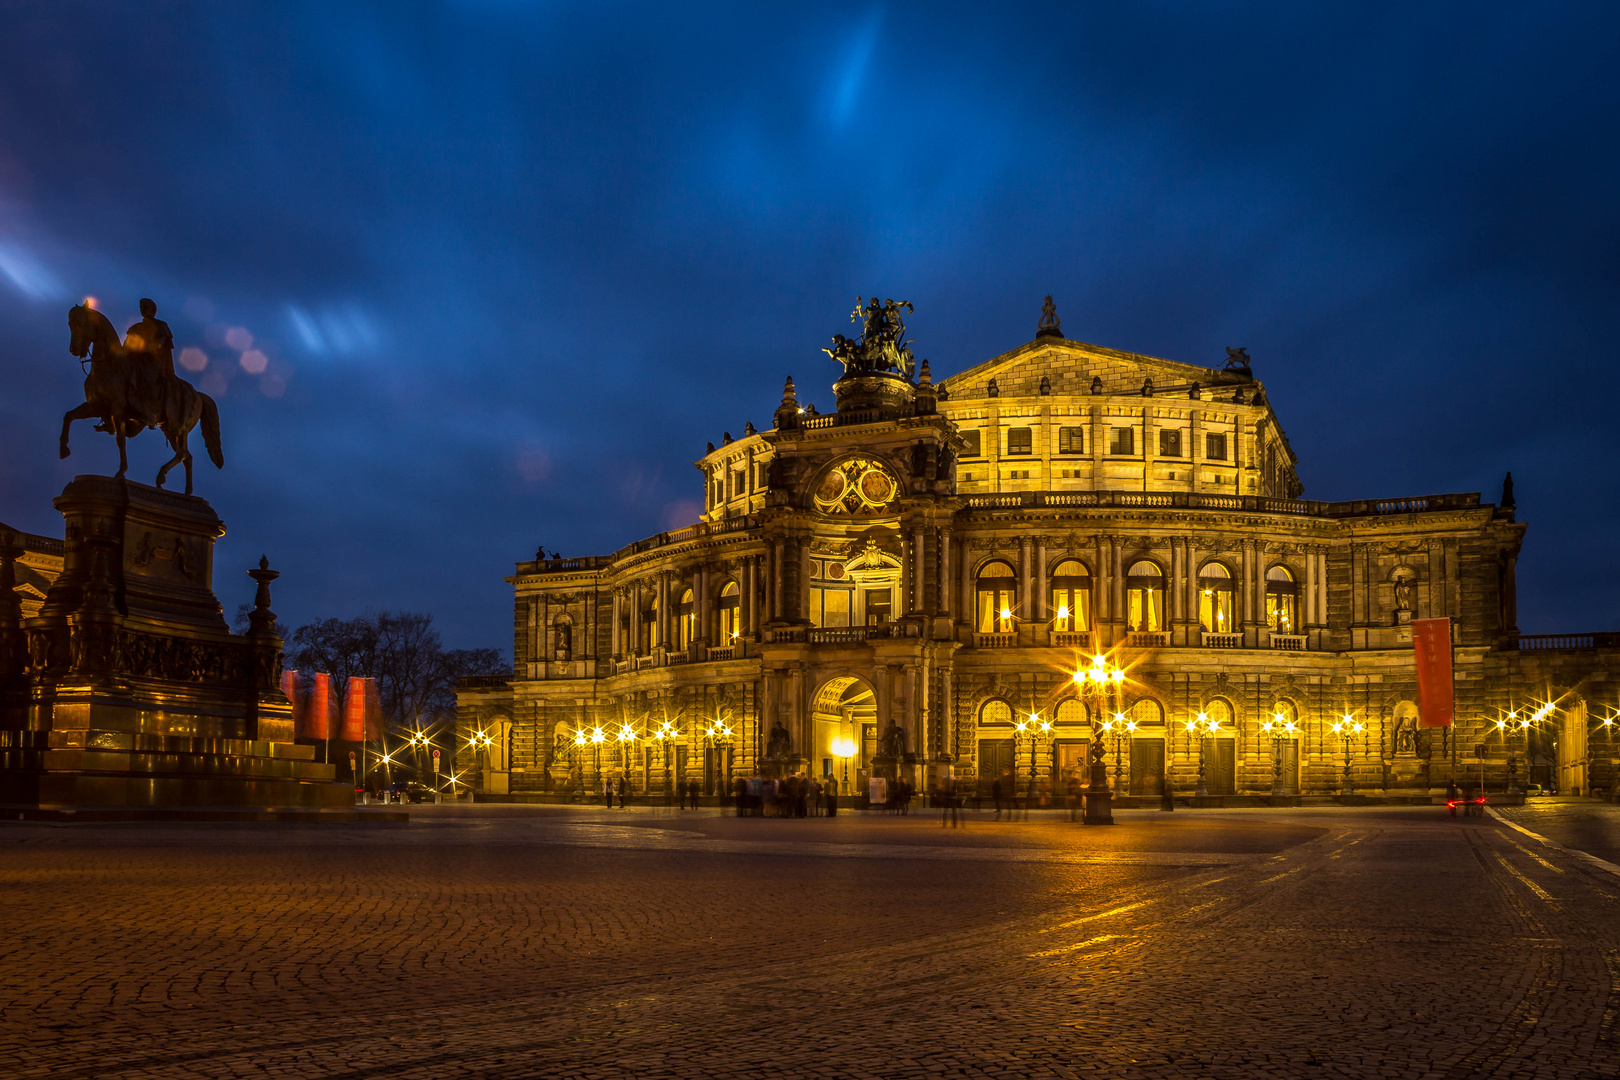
(132, 699)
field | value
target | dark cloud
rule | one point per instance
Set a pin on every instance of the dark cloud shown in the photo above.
(512, 266)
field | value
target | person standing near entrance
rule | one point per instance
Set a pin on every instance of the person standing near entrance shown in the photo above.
(1073, 792)
(624, 792)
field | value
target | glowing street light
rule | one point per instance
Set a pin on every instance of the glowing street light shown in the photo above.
(1279, 727)
(1096, 683)
(1347, 727)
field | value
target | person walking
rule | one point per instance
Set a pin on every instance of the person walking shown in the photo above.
(1073, 792)
(607, 790)
(624, 792)
(832, 797)
(1451, 796)
(996, 794)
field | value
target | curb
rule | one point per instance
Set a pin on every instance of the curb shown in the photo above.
(1601, 864)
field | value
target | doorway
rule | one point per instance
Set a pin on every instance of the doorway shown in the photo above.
(995, 757)
(1220, 766)
(1147, 767)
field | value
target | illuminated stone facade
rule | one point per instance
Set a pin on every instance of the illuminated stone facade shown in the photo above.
(927, 566)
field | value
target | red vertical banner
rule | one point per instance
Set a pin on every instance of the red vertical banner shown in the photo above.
(374, 717)
(1431, 648)
(354, 710)
(289, 686)
(318, 711)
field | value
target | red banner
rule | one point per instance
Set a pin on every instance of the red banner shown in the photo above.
(1431, 648)
(374, 719)
(354, 710)
(317, 722)
(289, 686)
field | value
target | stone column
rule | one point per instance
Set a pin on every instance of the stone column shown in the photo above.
(1024, 594)
(1437, 579)
(914, 722)
(617, 606)
(804, 579)
(1510, 584)
(776, 579)
(918, 571)
(1042, 616)
(969, 611)
(1116, 567)
(750, 586)
(663, 609)
(1195, 452)
(945, 571)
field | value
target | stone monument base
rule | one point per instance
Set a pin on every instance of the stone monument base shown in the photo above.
(128, 698)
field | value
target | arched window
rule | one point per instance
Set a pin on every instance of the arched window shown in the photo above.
(1147, 713)
(1144, 597)
(1219, 712)
(1215, 598)
(1071, 713)
(730, 610)
(1071, 596)
(1282, 599)
(995, 711)
(997, 599)
(685, 621)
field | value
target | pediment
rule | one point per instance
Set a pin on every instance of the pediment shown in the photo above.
(1070, 366)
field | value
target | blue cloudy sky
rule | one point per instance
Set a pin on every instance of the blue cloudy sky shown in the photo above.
(472, 276)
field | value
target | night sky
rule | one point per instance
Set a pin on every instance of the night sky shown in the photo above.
(472, 277)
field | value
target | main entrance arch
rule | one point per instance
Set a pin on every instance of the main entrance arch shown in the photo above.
(844, 707)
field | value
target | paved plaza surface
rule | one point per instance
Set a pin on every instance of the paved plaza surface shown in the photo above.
(554, 941)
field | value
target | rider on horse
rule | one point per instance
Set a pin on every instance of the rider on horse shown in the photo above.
(150, 344)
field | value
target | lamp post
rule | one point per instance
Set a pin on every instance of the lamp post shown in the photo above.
(625, 737)
(580, 742)
(844, 747)
(1035, 728)
(1348, 727)
(1206, 729)
(1278, 727)
(1095, 683)
(666, 732)
(1121, 729)
(719, 738)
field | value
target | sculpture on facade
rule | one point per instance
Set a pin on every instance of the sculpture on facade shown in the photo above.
(1049, 326)
(893, 744)
(1237, 359)
(780, 744)
(131, 386)
(882, 346)
(1403, 594)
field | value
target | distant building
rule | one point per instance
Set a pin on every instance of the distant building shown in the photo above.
(33, 571)
(922, 571)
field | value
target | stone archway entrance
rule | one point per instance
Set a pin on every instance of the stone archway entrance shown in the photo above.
(845, 707)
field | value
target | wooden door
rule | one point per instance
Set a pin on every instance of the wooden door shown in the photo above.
(1147, 767)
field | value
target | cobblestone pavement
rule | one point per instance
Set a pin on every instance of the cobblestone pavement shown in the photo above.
(1592, 827)
(1377, 942)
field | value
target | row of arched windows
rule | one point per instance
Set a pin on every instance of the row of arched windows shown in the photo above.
(1069, 598)
(683, 624)
(1145, 712)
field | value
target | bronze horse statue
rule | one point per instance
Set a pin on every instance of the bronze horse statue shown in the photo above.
(128, 392)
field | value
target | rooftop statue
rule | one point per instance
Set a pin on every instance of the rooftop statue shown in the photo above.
(1049, 326)
(882, 346)
(131, 386)
(1237, 359)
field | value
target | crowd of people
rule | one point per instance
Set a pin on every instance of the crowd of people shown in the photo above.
(797, 795)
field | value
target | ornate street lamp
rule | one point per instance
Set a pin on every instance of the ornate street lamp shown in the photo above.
(718, 736)
(1279, 728)
(844, 747)
(1121, 729)
(1206, 729)
(666, 732)
(1095, 684)
(1348, 727)
(626, 737)
(580, 742)
(1036, 729)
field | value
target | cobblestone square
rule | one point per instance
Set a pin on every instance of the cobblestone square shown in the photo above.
(526, 941)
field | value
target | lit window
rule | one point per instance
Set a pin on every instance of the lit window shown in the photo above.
(1282, 597)
(1071, 440)
(972, 448)
(685, 621)
(1020, 440)
(1169, 442)
(997, 599)
(1215, 599)
(1215, 446)
(1123, 441)
(1144, 597)
(995, 711)
(1070, 606)
(879, 606)
(730, 610)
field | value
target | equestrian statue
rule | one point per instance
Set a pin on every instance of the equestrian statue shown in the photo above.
(131, 386)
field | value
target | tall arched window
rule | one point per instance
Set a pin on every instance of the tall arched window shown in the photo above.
(730, 610)
(1215, 598)
(1071, 596)
(685, 621)
(1282, 599)
(1144, 597)
(997, 593)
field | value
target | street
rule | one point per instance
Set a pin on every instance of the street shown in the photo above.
(556, 941)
